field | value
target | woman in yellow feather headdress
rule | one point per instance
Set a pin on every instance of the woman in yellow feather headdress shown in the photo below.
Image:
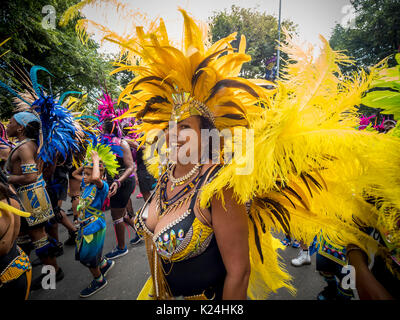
(310, 170)
(290, 154)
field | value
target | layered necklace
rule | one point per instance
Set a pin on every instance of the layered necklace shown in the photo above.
(182, 180)
(164, 205)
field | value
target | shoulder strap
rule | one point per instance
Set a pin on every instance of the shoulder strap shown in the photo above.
(205, 178)
(6, 166)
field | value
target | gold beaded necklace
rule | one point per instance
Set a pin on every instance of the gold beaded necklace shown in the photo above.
(182, 180)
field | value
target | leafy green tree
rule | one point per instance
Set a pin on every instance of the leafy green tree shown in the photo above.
(75, 66)
(260, 29)
(373, 36)
(375, 33)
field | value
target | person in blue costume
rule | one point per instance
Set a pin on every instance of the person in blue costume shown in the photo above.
(91, 233)
(24, 175)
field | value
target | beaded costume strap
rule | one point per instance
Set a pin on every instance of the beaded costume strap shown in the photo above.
(29, 168)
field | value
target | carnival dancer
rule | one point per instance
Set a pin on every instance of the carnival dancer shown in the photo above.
(15, 267)
(24, 175)
(87, 125)
(46, 134)
(293, 185)
(122, 186)
(331, 258)
(378, 274)
(188, 240)
(146, 181)
(92, 222)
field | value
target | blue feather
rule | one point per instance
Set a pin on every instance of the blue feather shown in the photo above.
(57, 129)
(33, 75)
(115, 148)
(2, 84)
(61, 100)
(89, 117)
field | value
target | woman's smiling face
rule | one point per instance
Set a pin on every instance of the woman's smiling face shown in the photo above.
(184, 141)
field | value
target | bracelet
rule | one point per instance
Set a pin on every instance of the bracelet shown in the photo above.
(353, 248)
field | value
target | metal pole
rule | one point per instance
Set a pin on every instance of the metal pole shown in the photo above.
(279, 39)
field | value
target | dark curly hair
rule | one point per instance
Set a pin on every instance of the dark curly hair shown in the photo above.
(110, 127)
(32, 130)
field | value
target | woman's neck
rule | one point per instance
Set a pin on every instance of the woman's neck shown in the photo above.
(21, 137)
(182, 169)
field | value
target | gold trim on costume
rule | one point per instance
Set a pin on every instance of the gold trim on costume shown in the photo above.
(34, 199)
(17, 267)
(29, 168)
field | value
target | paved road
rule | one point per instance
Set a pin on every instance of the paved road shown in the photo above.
(130, 272)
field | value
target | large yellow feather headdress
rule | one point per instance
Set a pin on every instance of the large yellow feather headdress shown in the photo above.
(173, 84)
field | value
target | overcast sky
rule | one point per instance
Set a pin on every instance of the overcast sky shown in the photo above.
(313, 17)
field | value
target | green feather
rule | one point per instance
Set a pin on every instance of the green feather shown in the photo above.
(108, 159)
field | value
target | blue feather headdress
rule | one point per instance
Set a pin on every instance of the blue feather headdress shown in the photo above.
(113, 142)
(57, 123)
(57, 132)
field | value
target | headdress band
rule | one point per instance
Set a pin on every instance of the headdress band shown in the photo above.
(24, 118)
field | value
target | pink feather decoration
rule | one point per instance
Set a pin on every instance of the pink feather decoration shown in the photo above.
(106, 111)
(364, 122)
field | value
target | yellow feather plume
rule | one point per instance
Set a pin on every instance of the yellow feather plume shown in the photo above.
(313, 172)
(7, 208)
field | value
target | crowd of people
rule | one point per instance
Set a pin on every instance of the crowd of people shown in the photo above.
(41, 191)
(288, 158)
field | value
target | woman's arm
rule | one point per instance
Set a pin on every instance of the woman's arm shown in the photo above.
(231, 232)
(368, 287)
(26, 156)
(6, 223)
(4, 151)
(128, 161)
(77, 174)
(96, 178)
(132, 143)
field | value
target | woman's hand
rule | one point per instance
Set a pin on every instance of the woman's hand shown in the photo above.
(113, 189)
(95, 156)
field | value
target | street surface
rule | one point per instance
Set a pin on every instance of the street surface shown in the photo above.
(130, 272)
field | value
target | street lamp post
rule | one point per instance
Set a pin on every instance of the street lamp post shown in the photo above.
(279, 40)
